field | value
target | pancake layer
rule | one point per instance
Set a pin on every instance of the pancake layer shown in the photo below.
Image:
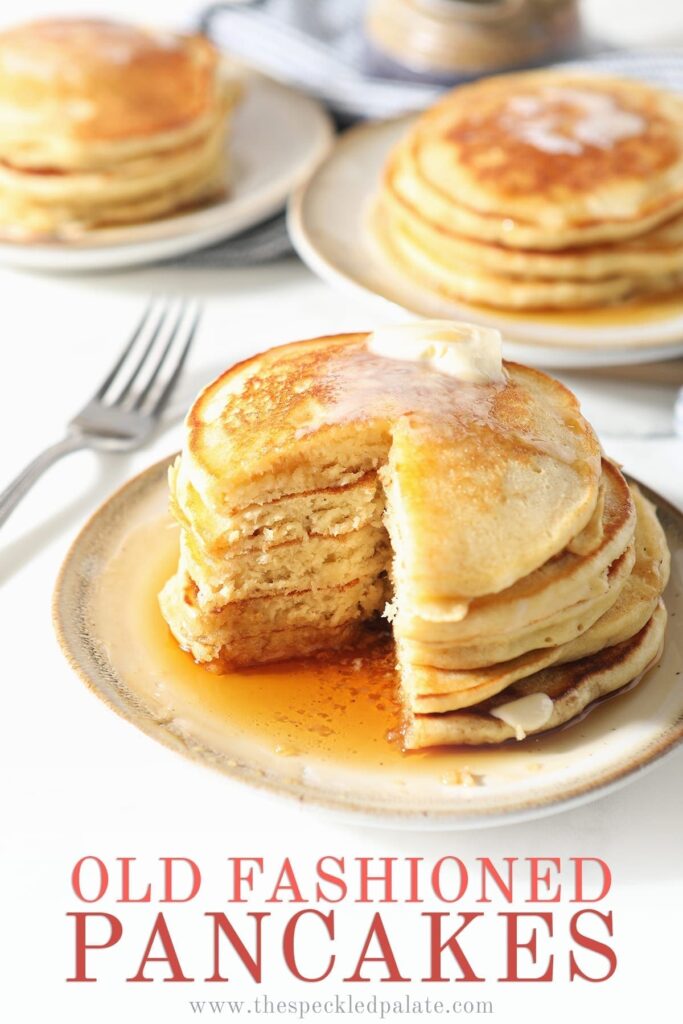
(570, 688)
(433, 690)
(547, 189)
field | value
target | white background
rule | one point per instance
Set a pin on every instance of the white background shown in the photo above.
(77, 780)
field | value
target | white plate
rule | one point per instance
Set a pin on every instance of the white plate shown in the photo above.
(111, 631)
(277, 138)
(328, 226)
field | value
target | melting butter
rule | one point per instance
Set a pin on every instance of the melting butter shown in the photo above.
(599, 121)
(467, 352)
(525, 714)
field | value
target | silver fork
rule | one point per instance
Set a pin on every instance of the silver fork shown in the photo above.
(128, 404)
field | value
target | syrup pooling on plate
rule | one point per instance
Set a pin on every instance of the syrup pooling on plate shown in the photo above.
(636, 313)
(341, 711)
(337, 708)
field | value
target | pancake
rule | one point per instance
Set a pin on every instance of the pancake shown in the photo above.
(658, 251)
(571, 689)
(409, 472)
(429, 690)
(567, 157)
(514, 463)
(331, 511)
(550, 189)
(257, 630)
(316, 562)
(105, 123)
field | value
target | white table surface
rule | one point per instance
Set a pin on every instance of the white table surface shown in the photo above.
(77, 779)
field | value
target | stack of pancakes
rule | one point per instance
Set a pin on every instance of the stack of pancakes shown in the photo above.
(548, 189)
(104, 123)
(322, 484)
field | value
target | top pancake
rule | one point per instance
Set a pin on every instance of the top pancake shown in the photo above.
(87, 83)
(546, 159)
(514, 464)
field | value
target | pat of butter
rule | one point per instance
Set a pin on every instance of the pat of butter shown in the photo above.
(525, 714)
(468, 352)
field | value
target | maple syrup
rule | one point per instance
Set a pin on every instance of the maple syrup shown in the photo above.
(340, 711)
(647, 310)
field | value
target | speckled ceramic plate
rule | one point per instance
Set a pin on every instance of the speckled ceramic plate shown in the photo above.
(277, 138)
(328, 224)
(112, 633)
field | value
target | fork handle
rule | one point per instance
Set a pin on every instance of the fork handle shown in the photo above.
(12, 495)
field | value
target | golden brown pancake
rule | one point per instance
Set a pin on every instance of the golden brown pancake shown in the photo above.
(325, 412)
(538, 597)
(279, 499)
(657, 251)
(559, 628)
(325, 483)
(106, 123)
(558, 153)
(269, 628)
(546, 189)
(462, 280)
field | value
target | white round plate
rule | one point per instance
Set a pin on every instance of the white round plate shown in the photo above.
(277, 138)
(109, 625)
(328, 226)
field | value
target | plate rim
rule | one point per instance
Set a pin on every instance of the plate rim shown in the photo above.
(431, 819)
(320, 262)
(180, 233)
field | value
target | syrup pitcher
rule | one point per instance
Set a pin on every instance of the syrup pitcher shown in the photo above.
(446, 39)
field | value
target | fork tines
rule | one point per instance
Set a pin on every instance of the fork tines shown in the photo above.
(144, 375)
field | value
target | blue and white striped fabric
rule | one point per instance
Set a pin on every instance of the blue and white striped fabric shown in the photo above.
(658, 66)
(321, 49)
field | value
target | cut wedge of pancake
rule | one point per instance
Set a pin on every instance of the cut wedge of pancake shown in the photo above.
(330, 511)
(431, 690)
(571, 689)
(315, 562)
